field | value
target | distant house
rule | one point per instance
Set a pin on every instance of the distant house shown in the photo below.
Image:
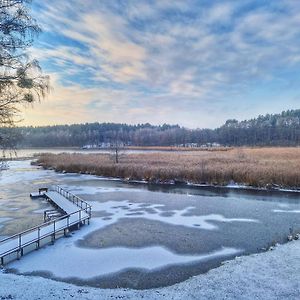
(191, 145)
(211, 145)
(188, 145)
(216, 145)
(104, 145)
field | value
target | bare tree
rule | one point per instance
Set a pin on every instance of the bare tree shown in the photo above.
(115, 149)
(117, 146)
(21, 79)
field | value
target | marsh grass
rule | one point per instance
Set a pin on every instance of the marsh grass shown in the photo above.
(258, 167)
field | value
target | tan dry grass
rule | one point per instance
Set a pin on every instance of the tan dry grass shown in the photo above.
(257, 167)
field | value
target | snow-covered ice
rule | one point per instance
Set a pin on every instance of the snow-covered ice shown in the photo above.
(3, 220)
(270, 275)
(294, 211)
(98, 262)
(20, 171)
(179, 217)
(92, 190)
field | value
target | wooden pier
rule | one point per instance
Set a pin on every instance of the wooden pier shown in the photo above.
(76, 212)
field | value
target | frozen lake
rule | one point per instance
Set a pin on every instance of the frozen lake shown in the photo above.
(143, 236)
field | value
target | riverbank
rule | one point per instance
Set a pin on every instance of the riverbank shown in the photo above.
(270, 275)
(271, 168)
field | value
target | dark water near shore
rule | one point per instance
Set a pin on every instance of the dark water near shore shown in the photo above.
(141, 235)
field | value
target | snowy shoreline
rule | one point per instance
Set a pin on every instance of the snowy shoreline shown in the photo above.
(269, 275)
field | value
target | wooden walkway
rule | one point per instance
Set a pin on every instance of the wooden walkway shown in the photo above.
(60, 201)
(76, 213)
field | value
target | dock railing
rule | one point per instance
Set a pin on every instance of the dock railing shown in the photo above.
(75, 200)
(35, 235)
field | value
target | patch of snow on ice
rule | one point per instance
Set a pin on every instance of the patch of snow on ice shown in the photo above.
(283, 205)
(96, 262)
(4, 219)
(59, 260)
(40, 211)
(20, 171)
(123, 209)
(89, 190)
(8, 208)
(295, 211)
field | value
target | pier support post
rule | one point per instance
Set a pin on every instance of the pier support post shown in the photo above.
(38, 241)
(19, 253)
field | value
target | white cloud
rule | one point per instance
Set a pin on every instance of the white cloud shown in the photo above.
(146, 57)
(221, 12)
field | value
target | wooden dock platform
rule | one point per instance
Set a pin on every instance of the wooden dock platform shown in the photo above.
(76, 213)
(39, 194)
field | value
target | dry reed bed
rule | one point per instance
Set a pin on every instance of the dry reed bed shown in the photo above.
(258, 167)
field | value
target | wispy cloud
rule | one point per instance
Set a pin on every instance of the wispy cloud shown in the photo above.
(169, 61)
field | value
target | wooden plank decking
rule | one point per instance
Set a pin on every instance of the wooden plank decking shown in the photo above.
(76, 212)
(60, 201)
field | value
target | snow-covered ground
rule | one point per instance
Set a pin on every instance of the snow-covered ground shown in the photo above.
(270, 275)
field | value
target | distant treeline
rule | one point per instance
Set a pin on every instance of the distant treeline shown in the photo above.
(269, 130)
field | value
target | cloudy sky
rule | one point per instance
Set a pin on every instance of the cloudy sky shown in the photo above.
(193, 62)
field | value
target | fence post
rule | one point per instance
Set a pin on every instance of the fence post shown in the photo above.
(53, 232)
(39, 236)
(20, 251)
(79, 220)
